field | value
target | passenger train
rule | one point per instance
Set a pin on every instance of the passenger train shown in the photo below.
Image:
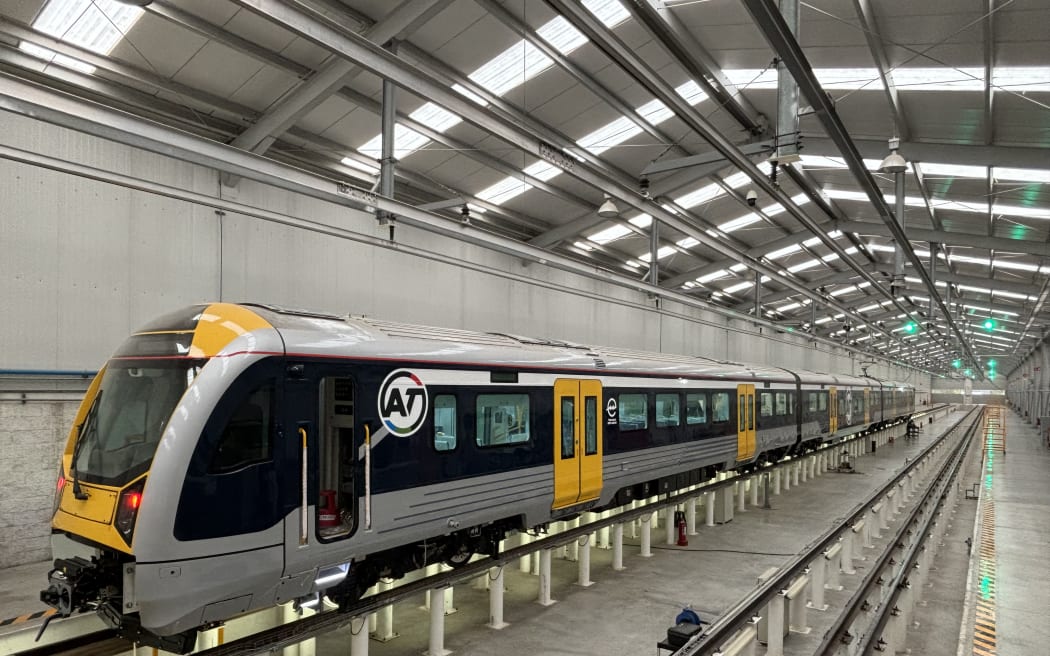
(232, 457)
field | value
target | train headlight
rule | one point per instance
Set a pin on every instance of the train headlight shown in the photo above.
(128, 510)
(60, 485)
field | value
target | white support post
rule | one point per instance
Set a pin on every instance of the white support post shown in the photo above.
(796, 595)
(709, 509)
(817, 572)
(584, 577)
(788, 469)
(882, 512)
(384, 630)
(804, 467)
(647, 536)
(848, 540)
(617, 563)
(359, 636)
(544, 598)
(635, 522)
(574, 546)
(690, 516)
(776, 480)
(740, 487)
(437, 624)
(833, 556)
(775, 625)
(670, 531)
(603, 532)
(288, 614)
(875, 526)
(496, 599)
(754, 489)
(525, 562)
(796, 470)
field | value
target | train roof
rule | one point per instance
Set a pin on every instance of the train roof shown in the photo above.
(309, 333)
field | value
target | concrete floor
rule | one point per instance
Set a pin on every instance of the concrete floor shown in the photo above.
(627, 612)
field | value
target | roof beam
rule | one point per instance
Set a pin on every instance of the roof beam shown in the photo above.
(870, 26)
(332, 76)
(943, 237)
(777, 33)
(1019, 157)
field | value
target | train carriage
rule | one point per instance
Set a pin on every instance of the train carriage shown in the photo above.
(232, 457)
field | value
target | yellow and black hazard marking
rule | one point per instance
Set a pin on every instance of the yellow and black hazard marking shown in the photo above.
(984, 636)
(28, 617)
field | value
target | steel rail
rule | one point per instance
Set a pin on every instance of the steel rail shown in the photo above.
(839, 633)
(723, 628)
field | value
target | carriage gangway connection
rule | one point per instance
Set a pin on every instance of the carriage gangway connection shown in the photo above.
(734, 491)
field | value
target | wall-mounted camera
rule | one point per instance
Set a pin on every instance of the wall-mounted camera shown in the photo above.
(752, 197)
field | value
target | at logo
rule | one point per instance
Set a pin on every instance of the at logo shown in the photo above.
(403, 402)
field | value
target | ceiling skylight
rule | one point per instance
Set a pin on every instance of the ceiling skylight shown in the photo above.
(935, 169)
(96, 25)
(941, 204)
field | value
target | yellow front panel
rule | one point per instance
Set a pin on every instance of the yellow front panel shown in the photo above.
(220, 324)
(566, 444)
(590, 439)
(867, 406)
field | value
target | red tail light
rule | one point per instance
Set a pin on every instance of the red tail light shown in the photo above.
(128, 510)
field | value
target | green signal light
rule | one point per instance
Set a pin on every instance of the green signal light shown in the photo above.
(956, 363)
(968, 372)
(911, 327)
(991, 364)
(989, 324)
(991, 375)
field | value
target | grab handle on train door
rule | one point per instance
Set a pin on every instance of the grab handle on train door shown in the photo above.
(368, 477)
(304, 517)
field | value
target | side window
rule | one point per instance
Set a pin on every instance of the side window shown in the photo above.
(822, 400)
(248, 437)
(568, 427)
(502, 419)
(590, 425)
(695, 409)
(811, 401)
(444, 422)
(782, 403)
(766, 404)
(667, 410)
(791, 403)
(634, 413)
(720, 406)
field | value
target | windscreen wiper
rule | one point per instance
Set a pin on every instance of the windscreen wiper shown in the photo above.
(89, 423)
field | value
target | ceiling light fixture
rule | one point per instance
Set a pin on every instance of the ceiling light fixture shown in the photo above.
(608, 209)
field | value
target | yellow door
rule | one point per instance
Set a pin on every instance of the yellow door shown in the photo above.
(833, 409)
(867, 406)
(577, 442)
(745, 436)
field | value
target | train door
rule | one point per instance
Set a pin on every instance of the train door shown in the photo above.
(833, 409)
(867, 406)
(577, 442)
(745, 422)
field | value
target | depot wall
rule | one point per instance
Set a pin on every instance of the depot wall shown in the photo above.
(85, 263)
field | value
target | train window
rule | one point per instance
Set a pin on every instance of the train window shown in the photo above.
(568, 427)
(247, 437)
(337, 459)
(502, 419)
(741, 401)
(791, 403)
(634, 412)
(765, 408)
(720, 406)
(590, 425)
(822, 400)
(782, 403)
(667, 410)
(444, 422)
(695, 409)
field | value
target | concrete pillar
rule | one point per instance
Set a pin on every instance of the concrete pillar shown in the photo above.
(740, 488)
(545, 574)
(359, 636)
(525, 562)
(496, 598)
(796, 595)
(573, 552)
(647, 536)
(690, 516)
(437, 624)
(584, 574)
(384, 629)
(603, 532)
(817, 572)
(709, 508)
(670, 531)
(754, 489)
(776, 481)
(617, 563)
(804, 467)
(775, 630)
